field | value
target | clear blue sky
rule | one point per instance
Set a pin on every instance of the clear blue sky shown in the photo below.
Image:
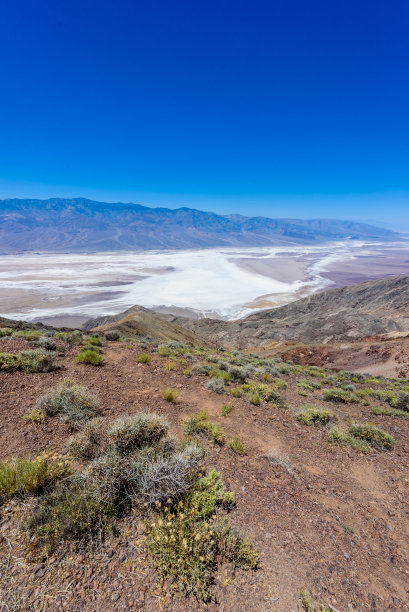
(279, 107)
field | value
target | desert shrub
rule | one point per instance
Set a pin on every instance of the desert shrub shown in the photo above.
(72, 401)
(91, 347)
(185, 540)
(254, 398)
(216, 373)
(5, 331)
(235, 548)
(187, 530)
(237, 374)
(88, 357)
(47, 343)
(278, 383)
(70, 514)
(223, 365)
(170, 395)
(400, 402)
(24, 475)
(339, 395)
(34, 416)
(139, 430)
(168, 477)
(237, 445)
(31, 335)
(276, 458)
(315, 415)
(308, 605)
(390, 412)
(74, 337)
(10, 362)
(28, 361)
(272, 370)
(93, 340)
(283, 368)
(216, 385)
(144, 358)
(344, 438)
(90, 442)
(236, 392)
(38, 361)
(309, 385)
(199, 424)
(187, 372)
(164, 351)
(202, 369)
(112, 335)
(256, 392)
(226, 409)
(372, 434)
(170, 365)
(349, 387)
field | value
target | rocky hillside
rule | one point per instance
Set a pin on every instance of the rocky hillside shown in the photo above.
(347, 313)
(209, 480)
(83, 225)
(137, 322)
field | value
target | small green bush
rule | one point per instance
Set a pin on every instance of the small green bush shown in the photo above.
(28, 361)
(315, 415)
(164, 351)
(226, 409)
(237, 446)
(336, 436)
(94, 341)
(236, 392)
(199, 424)
(5, 331)
(34, 416)
(390, 412)
(339, 395)
(69, 400)
(24, 475)
(88, 357)
(309, 385)
(31, 335)
(170, 395)
(400, 402)
(254, 398)
(372, 434)
(91, 347)
(144, 358)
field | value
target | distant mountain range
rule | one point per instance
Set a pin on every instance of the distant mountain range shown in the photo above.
(84, 225)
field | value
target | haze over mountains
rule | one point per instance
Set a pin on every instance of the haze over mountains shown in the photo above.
(83, 225)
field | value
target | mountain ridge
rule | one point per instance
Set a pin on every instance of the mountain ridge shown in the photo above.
(342, 314)
(79, 224)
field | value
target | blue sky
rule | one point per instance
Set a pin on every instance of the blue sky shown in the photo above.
(284, 108)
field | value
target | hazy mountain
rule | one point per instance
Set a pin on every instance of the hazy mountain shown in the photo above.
(83, 225)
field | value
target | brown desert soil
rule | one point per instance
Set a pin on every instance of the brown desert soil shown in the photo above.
(337, 525)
